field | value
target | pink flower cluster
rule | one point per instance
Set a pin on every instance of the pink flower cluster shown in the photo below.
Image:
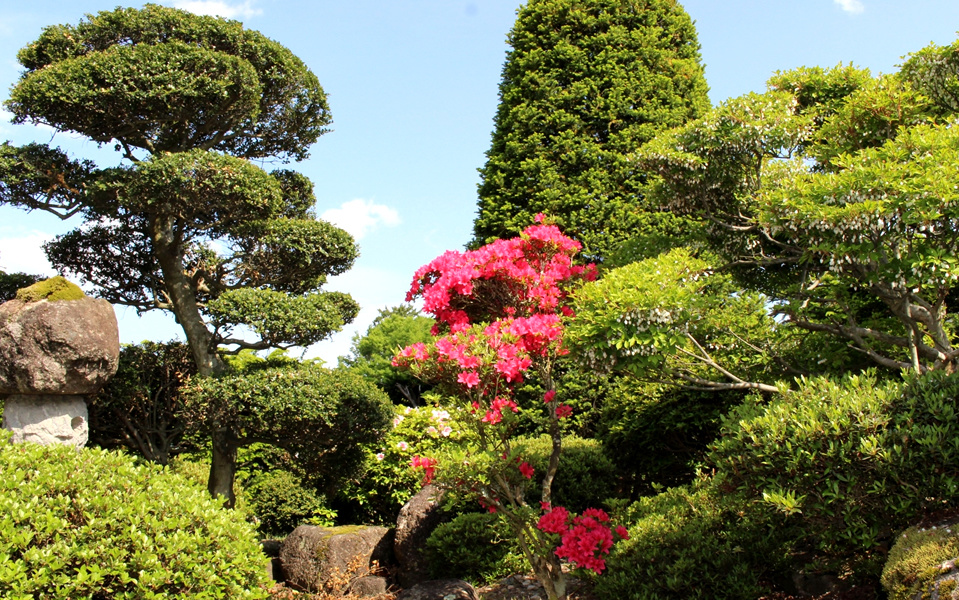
(526, 272)
(585, 539)
(427, 464)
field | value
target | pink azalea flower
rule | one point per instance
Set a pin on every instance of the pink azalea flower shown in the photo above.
(526, 470)
(468, 378)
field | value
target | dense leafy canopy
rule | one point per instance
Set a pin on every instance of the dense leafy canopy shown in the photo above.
(585, 83)
(832, 196)
(165, 80)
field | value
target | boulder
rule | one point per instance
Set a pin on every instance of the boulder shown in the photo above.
(47, 420)
(922, 564)
(368, 586)
(440, 589)
(68, 347)
(417, 520)
(321, 558)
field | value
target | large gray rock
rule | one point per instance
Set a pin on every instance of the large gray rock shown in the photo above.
(47, 420)
(440, 589)
(417, 520)
(57, 347)
(320, 558)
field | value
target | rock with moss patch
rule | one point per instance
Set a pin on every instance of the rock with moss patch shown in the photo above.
(53, 289)
(57, 347)
(328, 558)
(922, 564)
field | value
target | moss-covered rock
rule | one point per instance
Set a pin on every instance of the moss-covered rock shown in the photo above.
(55, 288)
(922, 564)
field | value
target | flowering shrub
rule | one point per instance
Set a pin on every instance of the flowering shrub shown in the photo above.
(387, 481)
(500, 312)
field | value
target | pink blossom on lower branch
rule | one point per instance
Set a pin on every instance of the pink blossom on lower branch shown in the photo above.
(584, 540)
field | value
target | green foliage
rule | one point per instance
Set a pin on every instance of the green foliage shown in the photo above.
(671, 318)
(141, 409)
(93, 524)
(689, 542)
(53, 289)
(371, 354)
(935, 71)
(11, 283)
(168, 80)
(656, 434)
(476, 547)
(917, 559)
(585, 478)
(277, 317)
(585, 83)
(280, 503)
(386, 482)
(851, 462)
(830, 193)
(324, 417)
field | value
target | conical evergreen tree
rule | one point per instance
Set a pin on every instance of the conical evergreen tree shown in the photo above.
(585, 84)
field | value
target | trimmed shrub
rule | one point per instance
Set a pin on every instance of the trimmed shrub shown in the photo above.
(93, 524)
(585, 478)
(281, 503)
(387, 481)
(689, 542)
(853, 461)
(476, 547)
(916, 563)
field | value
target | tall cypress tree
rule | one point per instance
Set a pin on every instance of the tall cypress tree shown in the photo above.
(585, 84)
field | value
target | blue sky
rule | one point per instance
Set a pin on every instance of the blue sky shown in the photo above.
(412, 85)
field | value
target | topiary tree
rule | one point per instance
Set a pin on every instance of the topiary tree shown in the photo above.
(321, 417)
(185, 223)
(585, 83)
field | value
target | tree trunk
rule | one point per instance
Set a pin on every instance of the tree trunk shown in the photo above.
(548, 570)
(223, 468)
(168, 250)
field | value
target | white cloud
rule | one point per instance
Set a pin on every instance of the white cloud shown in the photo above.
(851, 6)
(218, 8)
(360, 216)
(24, 254)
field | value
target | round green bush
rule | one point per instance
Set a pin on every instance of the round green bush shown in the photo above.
(281, 503)
(852, 461)
(691, 542)
(585, 478)
(93, 524)
(476, 547)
